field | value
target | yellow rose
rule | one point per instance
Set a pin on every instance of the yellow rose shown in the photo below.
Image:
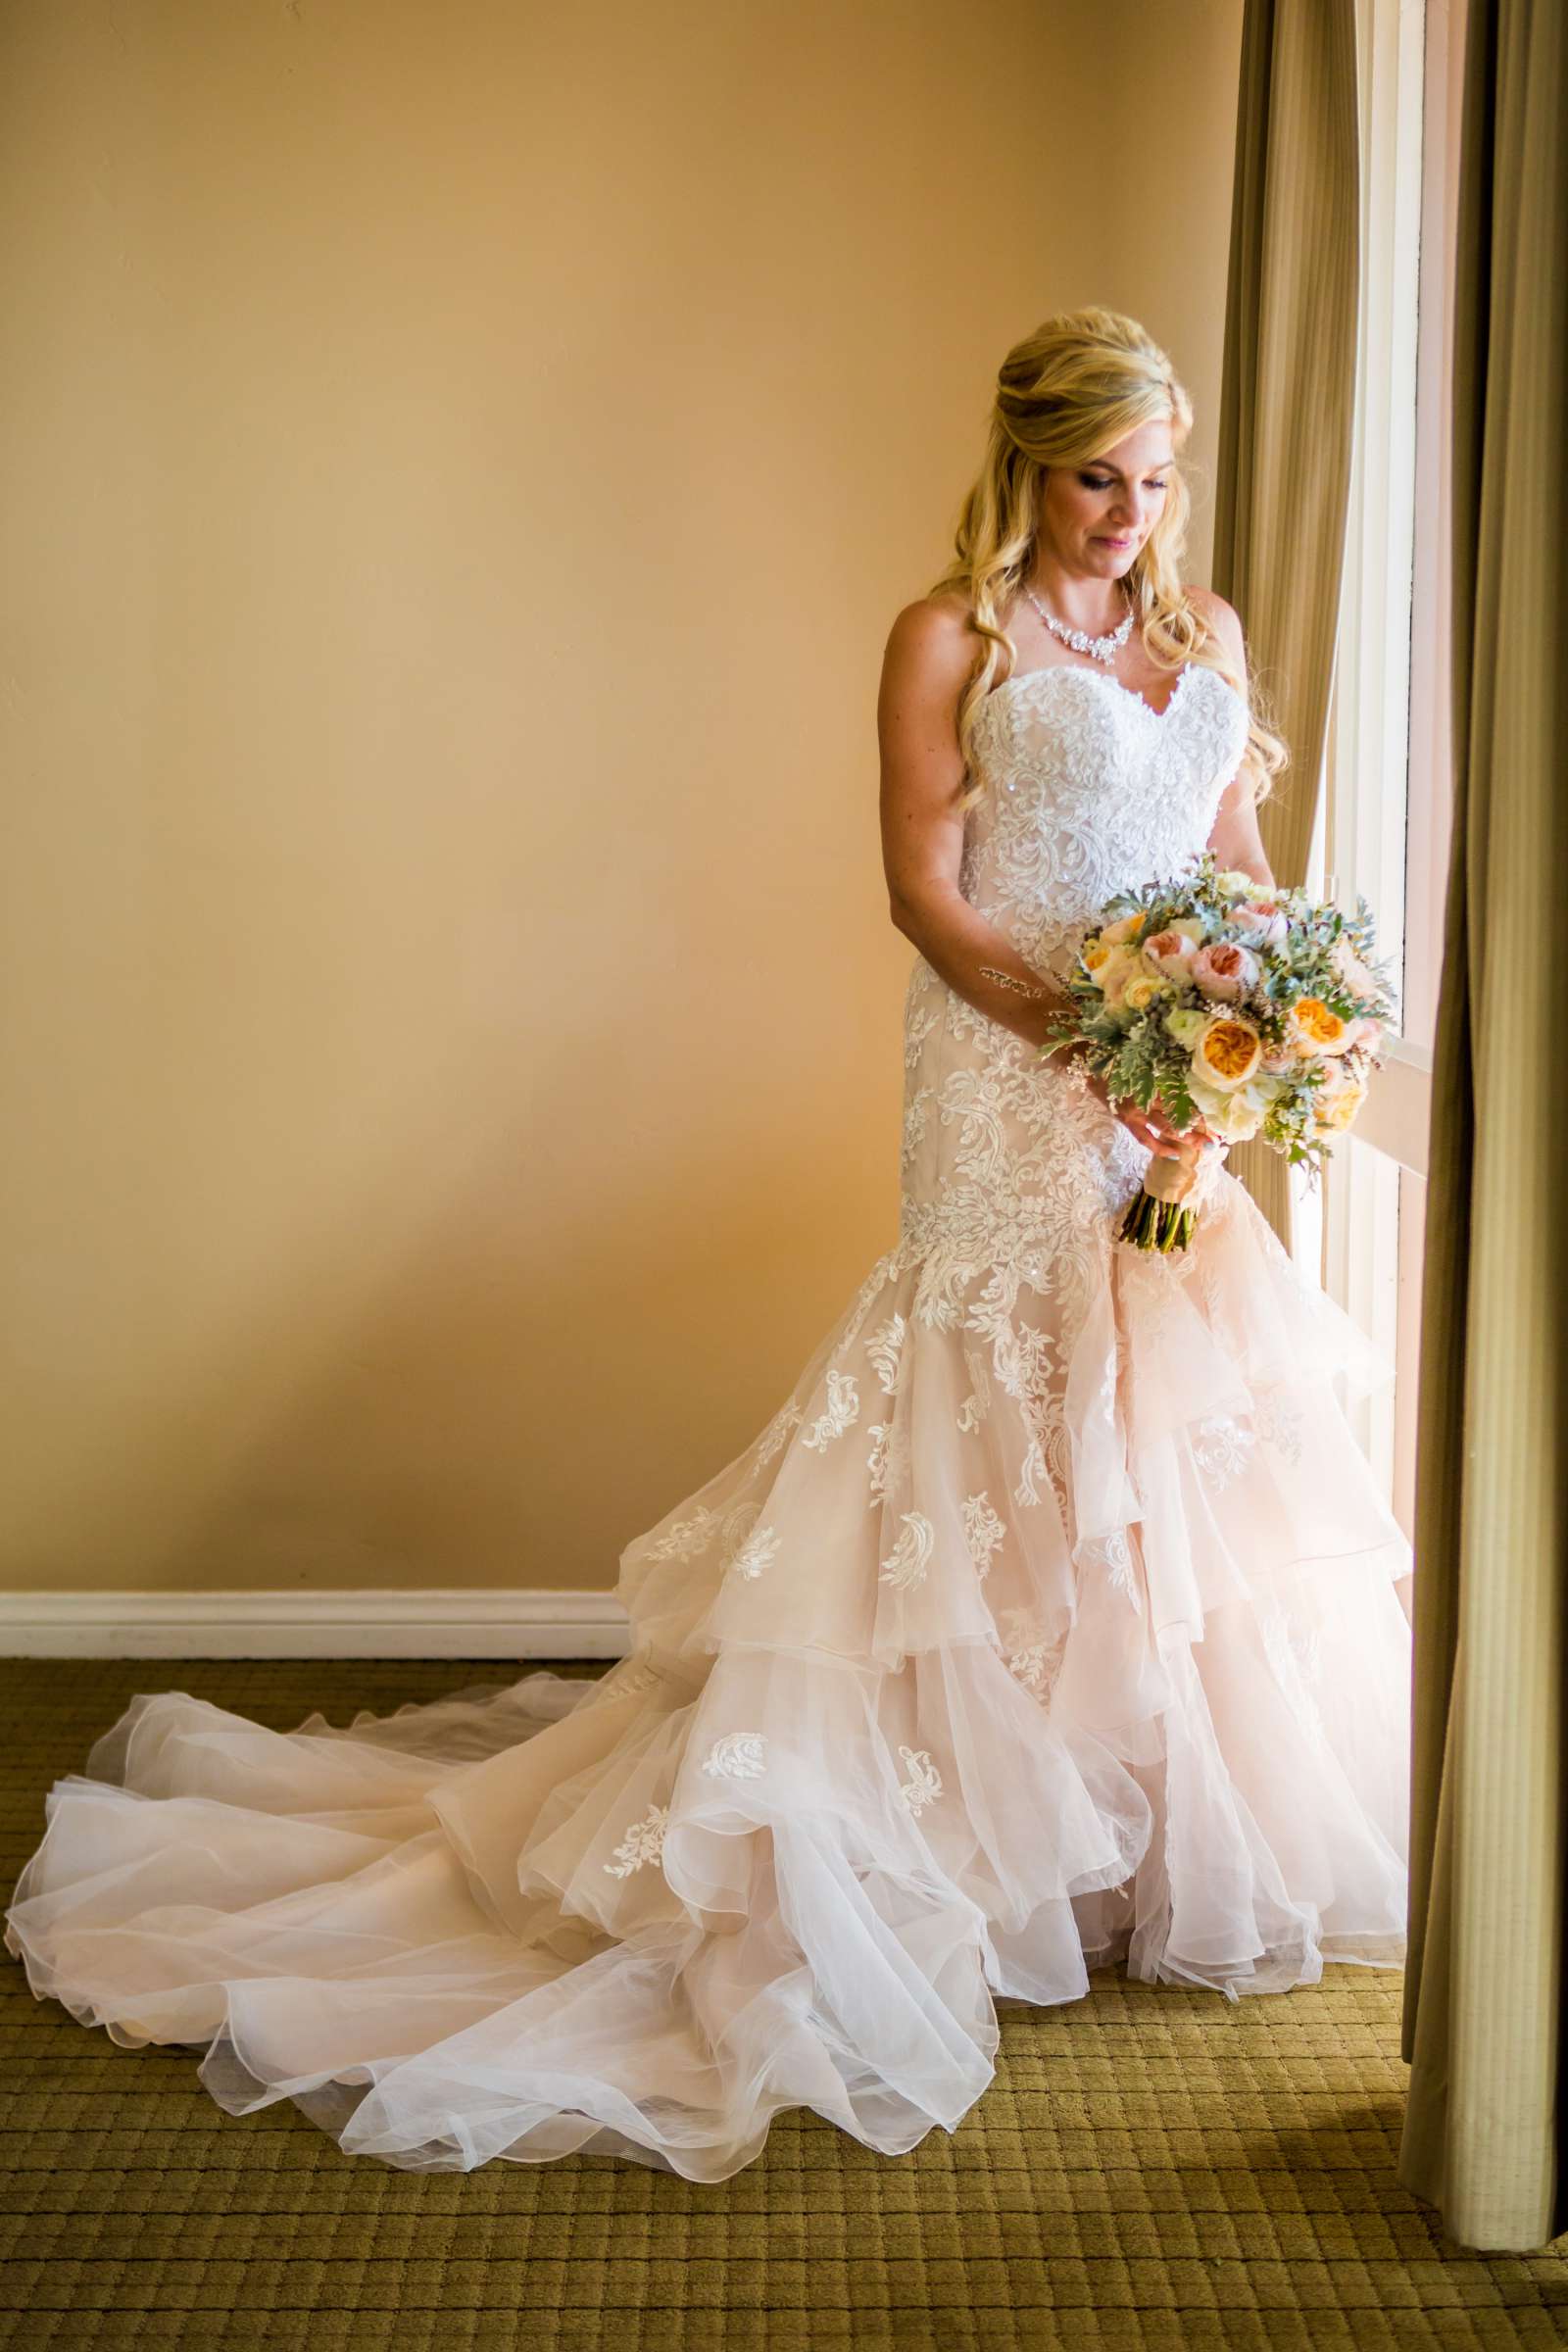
(1314, 1027)
(1123, 929)
(1228, 1051)
(1093, 954)
(1117, 969)
(1141, 991)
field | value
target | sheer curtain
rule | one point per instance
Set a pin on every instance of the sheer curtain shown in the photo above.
(1287, 409)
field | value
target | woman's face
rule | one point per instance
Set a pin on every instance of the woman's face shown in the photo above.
(1094, 518)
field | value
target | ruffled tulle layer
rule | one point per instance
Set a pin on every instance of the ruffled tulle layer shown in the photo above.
(1035, 1632)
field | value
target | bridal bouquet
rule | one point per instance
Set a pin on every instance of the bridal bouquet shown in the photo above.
(1247, 1011)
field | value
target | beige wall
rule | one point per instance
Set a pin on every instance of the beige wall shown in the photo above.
(460, 466)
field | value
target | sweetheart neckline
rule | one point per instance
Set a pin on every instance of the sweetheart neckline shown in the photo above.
(1097, 678)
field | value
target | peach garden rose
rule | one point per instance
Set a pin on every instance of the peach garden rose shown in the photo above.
(1262, 922)
(1314, 1027)
(1228, 1051)
(1223, 968)
(1169, 951)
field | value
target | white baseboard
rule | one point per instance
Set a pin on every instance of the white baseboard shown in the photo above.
(343, 1624)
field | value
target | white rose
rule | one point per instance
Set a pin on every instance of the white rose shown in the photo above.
(1187, 1024)
(1232, 1116)
(1357, 977)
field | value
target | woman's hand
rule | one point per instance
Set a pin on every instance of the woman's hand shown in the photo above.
(1153, 1128)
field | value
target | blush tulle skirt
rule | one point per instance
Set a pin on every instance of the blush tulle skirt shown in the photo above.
(1019, 1644)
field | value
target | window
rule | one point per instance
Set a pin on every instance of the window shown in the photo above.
(1382, 828)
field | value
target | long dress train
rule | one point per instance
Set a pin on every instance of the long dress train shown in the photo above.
(1051, 1621)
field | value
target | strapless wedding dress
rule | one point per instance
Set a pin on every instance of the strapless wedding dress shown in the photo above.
(1051, 1621)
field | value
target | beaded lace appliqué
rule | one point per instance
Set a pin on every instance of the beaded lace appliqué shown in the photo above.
(1222, 1448)
(843, 1408)
(1032, 1652)
(983, 1531)
(885, 1347)
(906, 1564)
(1112, 1553)
(642, 1843)
(924, 1783)
(738, 1756)
(1278, 1423)
(758, 1552)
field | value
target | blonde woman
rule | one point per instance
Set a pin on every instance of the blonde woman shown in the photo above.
(1050, 1623)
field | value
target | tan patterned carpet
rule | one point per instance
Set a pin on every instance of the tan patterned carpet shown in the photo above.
(1150, 2168)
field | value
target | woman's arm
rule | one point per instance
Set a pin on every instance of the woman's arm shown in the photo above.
(1234, 838)
(928, 661)
(929, 657)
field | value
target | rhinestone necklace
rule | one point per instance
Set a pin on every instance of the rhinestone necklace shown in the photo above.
(1102, 649)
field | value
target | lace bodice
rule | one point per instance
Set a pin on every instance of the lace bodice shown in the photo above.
(1010, 1171)
(1089, 789)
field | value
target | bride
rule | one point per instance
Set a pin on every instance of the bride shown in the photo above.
(1051, 1622)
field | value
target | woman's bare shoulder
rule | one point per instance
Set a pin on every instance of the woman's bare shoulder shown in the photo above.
(931, 646)
(1222, 618)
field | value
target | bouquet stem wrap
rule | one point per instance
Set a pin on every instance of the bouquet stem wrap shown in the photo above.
(1174, 1189)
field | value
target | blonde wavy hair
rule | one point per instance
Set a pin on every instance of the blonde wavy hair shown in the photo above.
(1065, 395)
